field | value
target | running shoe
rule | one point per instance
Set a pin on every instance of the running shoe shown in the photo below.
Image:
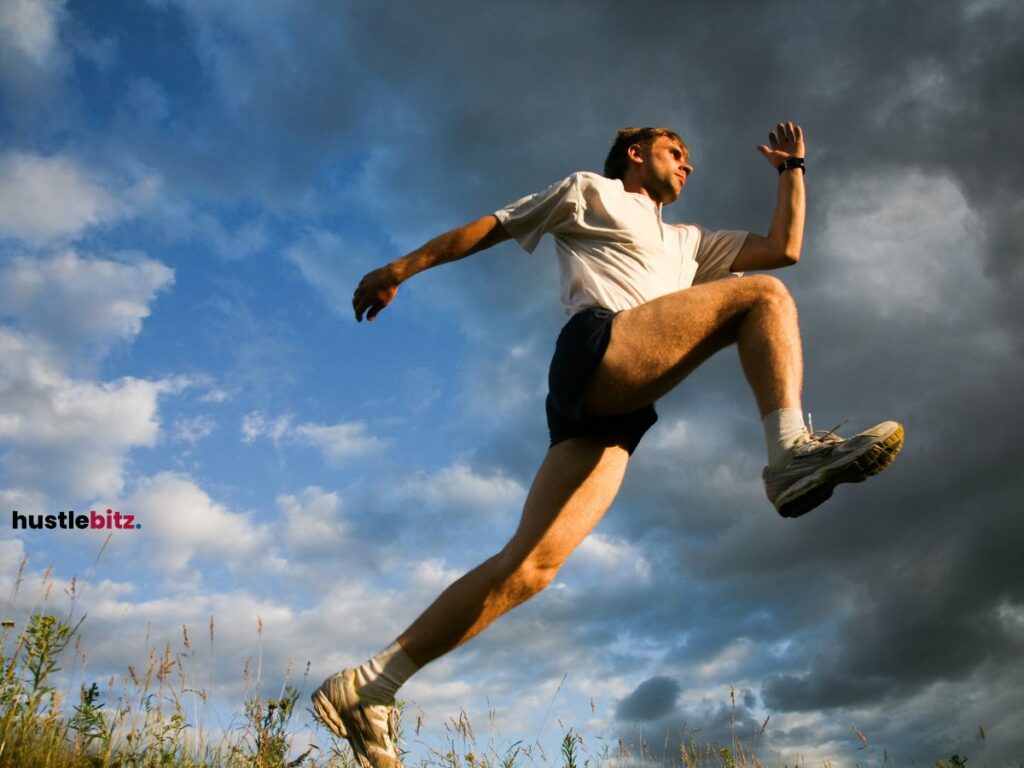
(815, 467)
(371, 729)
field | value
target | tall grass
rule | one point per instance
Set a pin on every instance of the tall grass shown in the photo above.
(153, 717)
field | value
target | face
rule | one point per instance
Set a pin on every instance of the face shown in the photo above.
(665, 169)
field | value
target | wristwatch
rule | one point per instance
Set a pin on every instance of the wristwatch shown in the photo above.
(791, 162)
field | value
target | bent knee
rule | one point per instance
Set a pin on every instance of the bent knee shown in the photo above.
(536, 578)
(768, 284)
(770, 288)
(528, 577)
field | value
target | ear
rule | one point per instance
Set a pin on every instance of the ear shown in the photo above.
(635, 153)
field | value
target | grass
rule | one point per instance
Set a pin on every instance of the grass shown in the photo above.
(153, 716)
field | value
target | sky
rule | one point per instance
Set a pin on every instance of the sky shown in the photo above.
(190, 191)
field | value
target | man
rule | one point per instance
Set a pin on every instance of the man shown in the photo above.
(649, 302)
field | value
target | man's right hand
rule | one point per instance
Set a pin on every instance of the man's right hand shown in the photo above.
(375, 291)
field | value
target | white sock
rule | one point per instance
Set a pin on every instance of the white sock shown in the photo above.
(783, 429)
(378, 679)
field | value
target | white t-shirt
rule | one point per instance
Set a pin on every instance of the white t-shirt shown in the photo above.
(613, 249)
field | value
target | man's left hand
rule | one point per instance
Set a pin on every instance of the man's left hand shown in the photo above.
(787, 140)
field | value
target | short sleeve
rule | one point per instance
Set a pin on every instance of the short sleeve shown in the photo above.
(716, 252)
(533, 216)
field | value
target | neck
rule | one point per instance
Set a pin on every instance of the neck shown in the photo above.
(632, 183)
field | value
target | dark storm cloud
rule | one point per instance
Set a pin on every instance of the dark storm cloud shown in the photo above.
(920, 621)
(698, 727)
(652, 699)
(889, 92)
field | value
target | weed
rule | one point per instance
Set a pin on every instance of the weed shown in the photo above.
(154, 720)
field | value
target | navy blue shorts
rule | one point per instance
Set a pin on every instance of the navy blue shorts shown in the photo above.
(578, 353)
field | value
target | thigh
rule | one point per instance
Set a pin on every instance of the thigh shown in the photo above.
(574, 487)
(656, 345)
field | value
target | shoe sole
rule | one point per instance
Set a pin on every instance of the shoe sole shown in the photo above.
(329, 715)
(856, 469)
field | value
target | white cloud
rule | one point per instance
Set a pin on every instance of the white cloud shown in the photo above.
(504, 383)
(459, 487)
(611, 558)
(195, 429)
(46, 198)
(256, 425)
(913, 230)
(246, 240)
(432, 575)
(181, 220)
(25, 500)
(728, 662)
(337, 442)
(214, 395)
(181, 522)
(63, 435)
(74, 302)
(312, 521)
(12, 554)
(332, 265)
(66, 435)
(29, 27)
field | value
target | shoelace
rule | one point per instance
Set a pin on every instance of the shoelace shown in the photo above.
(823, 436)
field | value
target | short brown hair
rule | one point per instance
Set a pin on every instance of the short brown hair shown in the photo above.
(617, 161)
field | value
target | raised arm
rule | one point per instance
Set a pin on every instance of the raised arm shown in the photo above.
(781, 247)
(377, 288)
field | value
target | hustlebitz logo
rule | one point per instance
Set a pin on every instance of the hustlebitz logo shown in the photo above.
(69, 520)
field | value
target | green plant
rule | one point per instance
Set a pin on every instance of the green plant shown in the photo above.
(90, 723)
(570, 749)
(268, 731)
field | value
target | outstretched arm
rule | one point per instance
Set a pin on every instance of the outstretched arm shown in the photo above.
(377, 289)
(781, 247)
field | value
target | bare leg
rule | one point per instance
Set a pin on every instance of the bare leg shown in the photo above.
(653, 348)
(656, 345)
(574, 487)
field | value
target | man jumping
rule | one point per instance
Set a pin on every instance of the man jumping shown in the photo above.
(649, 302)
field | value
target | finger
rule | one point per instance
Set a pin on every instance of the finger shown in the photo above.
(773, 141)
(763, 150)
(799, 132)
(366, 302)
(790, 133)
(357, 303)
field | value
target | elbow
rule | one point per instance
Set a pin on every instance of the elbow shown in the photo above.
(784, 251)
(788, 252)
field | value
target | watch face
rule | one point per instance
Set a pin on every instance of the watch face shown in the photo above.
(792, 162)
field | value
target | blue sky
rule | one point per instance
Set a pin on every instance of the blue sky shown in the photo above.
(189, 193)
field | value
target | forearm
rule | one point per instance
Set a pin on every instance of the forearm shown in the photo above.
(787, 228)
(451, 246)
(377, 288)
(784, 241)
